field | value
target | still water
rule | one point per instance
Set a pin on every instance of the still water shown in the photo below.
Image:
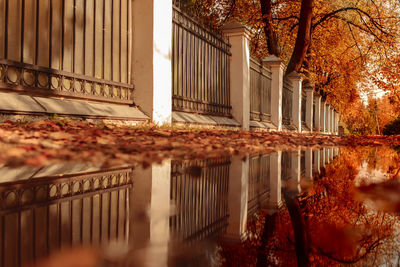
(308, 208)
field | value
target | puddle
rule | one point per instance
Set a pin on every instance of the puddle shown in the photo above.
(278, 209)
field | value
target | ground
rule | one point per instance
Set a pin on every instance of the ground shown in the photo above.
(44, 142)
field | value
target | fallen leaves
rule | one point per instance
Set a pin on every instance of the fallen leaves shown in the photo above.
(44, 142)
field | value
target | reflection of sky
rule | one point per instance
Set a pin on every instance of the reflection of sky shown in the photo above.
(368, 176)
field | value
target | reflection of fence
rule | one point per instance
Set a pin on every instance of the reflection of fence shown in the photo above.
(39, 216)
(287, 102)
(303, 163)
(199, 190)
(259, 179)
(286, 166)
(260, 91)
(78, 50)
(200, 64)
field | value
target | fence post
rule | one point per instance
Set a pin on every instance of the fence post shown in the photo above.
(323, 117)
(296, 80)
(154, 185)
(295, 157)
(309, 163)
(275, 182)
(308, 88)
(239, 38)
(151, 60)
(328, 119)
(337, 122)
(237, 200)
(276, 67)
(317, 118)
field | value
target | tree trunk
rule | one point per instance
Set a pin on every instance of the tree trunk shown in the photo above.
(303, 39)
(300, 229)
(270, 34)
(269, 229)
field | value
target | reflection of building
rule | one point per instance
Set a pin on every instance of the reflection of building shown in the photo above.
(41, 215)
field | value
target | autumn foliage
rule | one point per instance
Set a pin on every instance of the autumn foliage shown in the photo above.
(350, 49)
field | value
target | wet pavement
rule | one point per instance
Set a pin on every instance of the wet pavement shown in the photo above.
(313, 207)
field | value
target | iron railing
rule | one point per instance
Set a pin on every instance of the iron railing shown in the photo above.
(39, 216)
(303, 163)
(63, 48)
(260, 91)
(259, 180)
(303, 108)
(314, 115)
(287, 102)
(201, 198)
(200, 67)
(286, 164)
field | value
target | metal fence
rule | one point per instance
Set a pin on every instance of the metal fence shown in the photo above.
(287, 102)
(39, 216)
(303, 108)
(259, 183)
(314, 115)
(303, 163)
(200, 67)
(199, 189)
(76, 49)
(286, 164)
(260, 91)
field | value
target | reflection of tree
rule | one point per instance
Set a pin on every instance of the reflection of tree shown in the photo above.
(325, 226)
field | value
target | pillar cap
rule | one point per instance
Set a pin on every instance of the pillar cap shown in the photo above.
(294, 76)
(234, 28)
(308, 86)
(272, 61)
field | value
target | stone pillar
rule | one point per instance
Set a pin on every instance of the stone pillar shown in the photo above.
(317, 161)
(239, 39)
(237, 200)
(322, 157)
(276, 67)
(275, 182)
(309, 105)
(328, 119)
(150, 212)
(309, 163)
(323, 117)
(151, 58)
(317, 119)
(337, 122)
(296, 80)
(327, 159)
(296, 171)
(332, 121)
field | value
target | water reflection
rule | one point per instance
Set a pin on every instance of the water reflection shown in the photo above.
(284, 208)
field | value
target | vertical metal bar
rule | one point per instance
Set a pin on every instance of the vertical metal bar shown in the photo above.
(118, 215)
(103, 40)
(94, 39)
(2, 253)
(120, 41)
(19, 239)
(37, 32)
(22, 30)
(71, 219)
(127, 41)
(91, 219)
